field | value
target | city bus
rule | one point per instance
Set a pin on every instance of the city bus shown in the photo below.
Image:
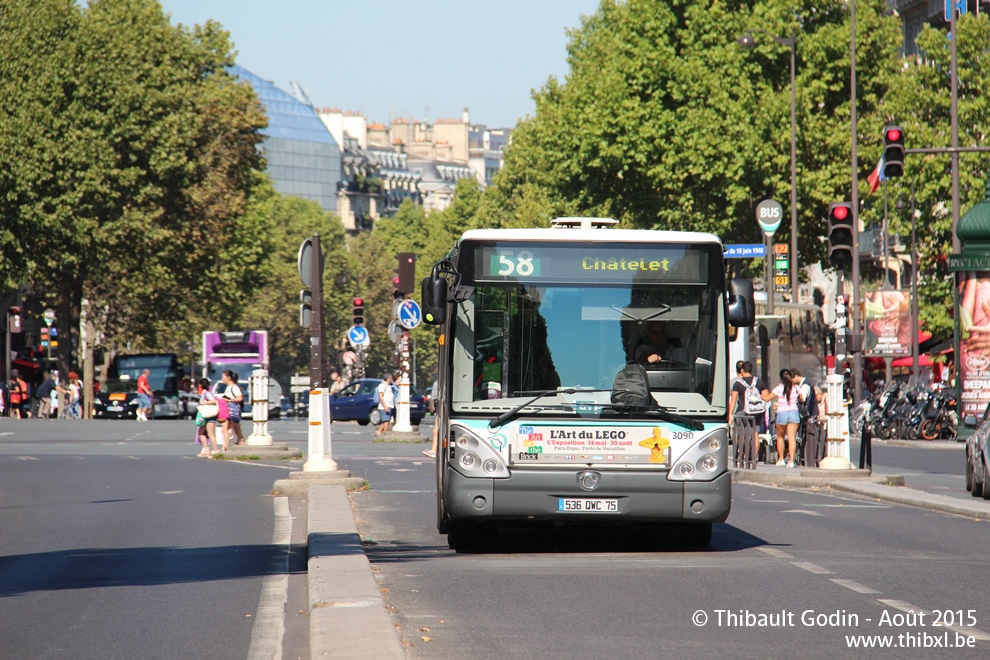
(241, 352)
(548, 412)
(163, 378)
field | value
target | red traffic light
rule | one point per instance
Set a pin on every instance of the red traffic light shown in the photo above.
(358, 302)
(840, 212)
(894, 134)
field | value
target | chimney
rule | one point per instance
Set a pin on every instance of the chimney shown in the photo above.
(465, 116)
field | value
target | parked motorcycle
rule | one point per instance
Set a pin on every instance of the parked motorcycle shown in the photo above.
(942, 421)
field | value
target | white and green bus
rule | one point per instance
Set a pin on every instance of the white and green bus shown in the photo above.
(559, 399)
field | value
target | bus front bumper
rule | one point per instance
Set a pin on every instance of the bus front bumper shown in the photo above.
(535, 495)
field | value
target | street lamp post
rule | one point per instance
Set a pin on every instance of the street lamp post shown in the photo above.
(746, 42)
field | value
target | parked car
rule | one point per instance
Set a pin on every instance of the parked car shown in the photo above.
(117, 399)
(357, 402)
(978, 455)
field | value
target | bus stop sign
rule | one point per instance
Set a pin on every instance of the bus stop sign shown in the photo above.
(769, 214)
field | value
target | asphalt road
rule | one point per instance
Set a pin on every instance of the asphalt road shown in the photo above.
(116, 542)
(596, 592)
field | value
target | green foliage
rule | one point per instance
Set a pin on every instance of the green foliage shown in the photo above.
(274, 306)
(920, 102)
(127, 159)
(664, 123)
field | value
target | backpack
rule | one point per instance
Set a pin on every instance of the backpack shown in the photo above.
(375, 399)
(631, 387)
(753, 403)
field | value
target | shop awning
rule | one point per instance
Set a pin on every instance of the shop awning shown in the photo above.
(923, 360)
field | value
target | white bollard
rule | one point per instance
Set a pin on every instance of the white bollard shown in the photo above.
(258, 391)
(319, 459)
(837, 429)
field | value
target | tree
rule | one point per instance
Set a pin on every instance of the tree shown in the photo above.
(919, 102)
(664, 124)
(128, 158)
(274, 307)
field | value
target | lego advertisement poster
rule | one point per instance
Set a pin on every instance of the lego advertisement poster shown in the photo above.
(974, 341)
(887, 317)
(577, 444)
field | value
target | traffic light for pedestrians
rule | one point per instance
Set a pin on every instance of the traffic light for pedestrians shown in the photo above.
(44, 337)
(358, 311)
(893, 152)
(405, 275)
(840, 234)
(14, 320)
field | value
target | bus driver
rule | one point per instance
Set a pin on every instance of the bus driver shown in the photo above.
(659, 347)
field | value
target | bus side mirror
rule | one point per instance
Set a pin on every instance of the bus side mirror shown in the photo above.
(742, 308)
(434, 297)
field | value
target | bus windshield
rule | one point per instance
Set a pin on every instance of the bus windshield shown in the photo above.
(164, 370)
(518, 340)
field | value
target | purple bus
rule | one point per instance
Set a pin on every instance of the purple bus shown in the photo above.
(242, 352)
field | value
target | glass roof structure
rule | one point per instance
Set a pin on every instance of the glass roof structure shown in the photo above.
(303, 158)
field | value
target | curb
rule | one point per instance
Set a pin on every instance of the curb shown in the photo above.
(347, 614)
(276, 451)
(917, 498)
(303, 486)
(812, 477)
(921, 444)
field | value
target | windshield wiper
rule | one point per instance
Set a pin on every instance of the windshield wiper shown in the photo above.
(658, 410)
(498, 420)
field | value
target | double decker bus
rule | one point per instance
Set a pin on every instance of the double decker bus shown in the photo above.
(163, 378)
(241, 352)
(548, 411)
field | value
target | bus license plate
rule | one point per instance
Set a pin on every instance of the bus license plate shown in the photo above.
(585, 505)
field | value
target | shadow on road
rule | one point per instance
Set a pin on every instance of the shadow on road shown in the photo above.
(568, 540)
(89, 568)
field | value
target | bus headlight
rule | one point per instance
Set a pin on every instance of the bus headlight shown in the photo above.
(704, 460)
(473, 457)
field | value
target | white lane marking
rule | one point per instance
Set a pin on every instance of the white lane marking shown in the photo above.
(26, 458)
(171, 492)
(779, 554)
(855, 586)
(403, 470)
(807, 513)
(976, 633)
(772, 501)
(7, 433)
(811, 568)
(257, 464)
(269, 621)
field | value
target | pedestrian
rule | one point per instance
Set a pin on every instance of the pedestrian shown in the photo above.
(206, 419)
(75, 395)
(44, 394)
(386, 402)
(432, 451)
(788, 397)
(18, 393)
(144, 396)
(395, 397)
(748, 395)
(234, 397)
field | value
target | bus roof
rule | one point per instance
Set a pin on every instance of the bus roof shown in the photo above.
(569, 235)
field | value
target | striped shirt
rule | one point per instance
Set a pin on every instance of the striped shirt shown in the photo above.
(789, 404)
